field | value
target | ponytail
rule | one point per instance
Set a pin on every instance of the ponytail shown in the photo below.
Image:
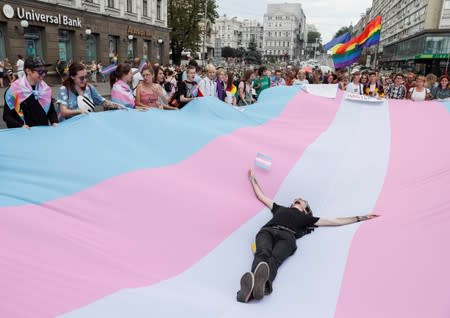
(121, 70)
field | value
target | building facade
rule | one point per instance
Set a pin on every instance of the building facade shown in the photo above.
(284, 31)
(252, 31)
(208, 41)
(229, 31)
(415, 34)
(75, 30)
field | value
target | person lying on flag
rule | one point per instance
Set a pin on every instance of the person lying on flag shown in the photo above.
(276, 240)
(29, 99)
(77, 97)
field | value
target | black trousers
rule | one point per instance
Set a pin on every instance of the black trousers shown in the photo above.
(273, 246)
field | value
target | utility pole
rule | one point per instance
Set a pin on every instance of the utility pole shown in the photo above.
(204, 35)
(315, 47)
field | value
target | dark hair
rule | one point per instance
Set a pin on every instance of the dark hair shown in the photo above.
(121, 70)
(397, 75)
(156, 70)
(20, 56)
(333, 76)
(308, 229)
(74, 68)
(230, 81)
(193, 63)
(168, 72)
(442, 77)
(247, 75)
(191, 67)
(308, 210)
(261, 70)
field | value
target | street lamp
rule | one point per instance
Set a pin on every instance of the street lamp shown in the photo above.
(130, 37)
(88, 31)
(24, 24)
(159, 50)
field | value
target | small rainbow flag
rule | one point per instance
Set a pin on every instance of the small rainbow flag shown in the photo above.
(348, 53)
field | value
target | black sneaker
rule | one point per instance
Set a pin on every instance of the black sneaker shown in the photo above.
(261, 278)
(247, 283)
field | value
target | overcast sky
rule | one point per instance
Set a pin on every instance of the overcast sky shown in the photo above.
(328, 15)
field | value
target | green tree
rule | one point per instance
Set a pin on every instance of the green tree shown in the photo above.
(239, 52)
(313, 35)
(252, 56)
(184, 19)
(228, 52)
(342, 31)
(252, 45)
(314, 38)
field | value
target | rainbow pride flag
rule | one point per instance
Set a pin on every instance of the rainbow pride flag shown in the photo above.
(344, 38)
(347, 53)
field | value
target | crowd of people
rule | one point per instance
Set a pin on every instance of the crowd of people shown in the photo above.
(143, 86)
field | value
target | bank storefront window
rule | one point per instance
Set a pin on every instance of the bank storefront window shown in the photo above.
(131, 49)
(2, 42)
(146, 50)
(65, 45)
(91, 47)
(33, 41)
(113, 43)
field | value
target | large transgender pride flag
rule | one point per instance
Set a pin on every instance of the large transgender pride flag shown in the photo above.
(150, 214)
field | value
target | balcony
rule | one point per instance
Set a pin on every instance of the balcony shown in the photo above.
(91, 6)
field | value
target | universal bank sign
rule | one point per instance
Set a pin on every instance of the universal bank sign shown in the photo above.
(31, 15)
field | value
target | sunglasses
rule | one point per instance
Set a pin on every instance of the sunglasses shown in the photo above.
(41, 72)
(82, 78)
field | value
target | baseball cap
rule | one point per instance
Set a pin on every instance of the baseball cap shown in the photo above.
(34, 62)
(356, 72)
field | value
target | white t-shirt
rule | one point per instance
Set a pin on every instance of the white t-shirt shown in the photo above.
(355, 88)
(19, 65)
(229, 97)
(418, 96)
(137, 77)
(208, 87)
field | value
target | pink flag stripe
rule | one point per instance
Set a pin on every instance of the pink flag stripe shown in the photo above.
(143, 227)
(400, 267)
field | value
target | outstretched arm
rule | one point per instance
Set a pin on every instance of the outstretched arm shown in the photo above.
(258, 192)
(345, 220)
